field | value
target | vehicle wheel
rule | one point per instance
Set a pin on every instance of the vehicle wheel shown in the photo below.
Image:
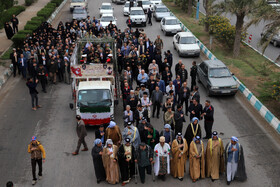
(208, 92)
(145, 24)
(198, 79)
(174, 46)
(164, 33)
(275, 43)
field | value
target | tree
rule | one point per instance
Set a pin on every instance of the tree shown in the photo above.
(190, 10)
(210, 11)
(241, 9)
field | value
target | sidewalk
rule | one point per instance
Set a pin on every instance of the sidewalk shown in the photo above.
(23, 17)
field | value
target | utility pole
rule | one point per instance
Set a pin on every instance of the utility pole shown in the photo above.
(197, 10)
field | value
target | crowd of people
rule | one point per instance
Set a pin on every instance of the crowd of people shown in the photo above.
(139, 148)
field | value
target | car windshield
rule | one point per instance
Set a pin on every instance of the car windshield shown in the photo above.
(94, 97)
(219, 72)
(79, 11)
(106, 7)
(137, 12)
(146, 2)
(107, 19)
(187, 40)
(171, 22)
(77, 1)
(161, 10)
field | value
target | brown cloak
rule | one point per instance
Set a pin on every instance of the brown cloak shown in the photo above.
(114, 134)
(197, 165)
(111, 167)
(214, 158)
(178, 164)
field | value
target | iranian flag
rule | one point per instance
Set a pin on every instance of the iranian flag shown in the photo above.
(95, 115)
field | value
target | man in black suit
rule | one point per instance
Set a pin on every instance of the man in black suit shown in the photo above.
(14, 57)
(157, 98)
(208, 114)
(183, 73)
(184, 95)
(179, 119)
(132, 101)
(195, 109)
(100, 133)
(195, 95)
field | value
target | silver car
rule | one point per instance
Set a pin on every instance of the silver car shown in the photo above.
(216, 78)
(160, 12)
(79, 13)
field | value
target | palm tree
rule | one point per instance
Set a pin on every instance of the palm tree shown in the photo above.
(241, 9)
(210, 10)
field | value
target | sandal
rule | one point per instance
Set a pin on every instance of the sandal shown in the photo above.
(34, 109)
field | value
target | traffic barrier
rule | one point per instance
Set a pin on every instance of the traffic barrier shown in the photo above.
(250, 38)
(264, 112)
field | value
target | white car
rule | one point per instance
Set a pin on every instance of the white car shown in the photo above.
(79, 13)
(119, 1)
(106, 8)
(146, 4)
(138, 16)
(78, 3)
(106, 18)
(156, 2)
(186, 45)
(126, 9)
(160, 11)
(170, 25)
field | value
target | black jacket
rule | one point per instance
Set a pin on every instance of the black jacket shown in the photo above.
(32, 87)
(197, 110)
(209, 113)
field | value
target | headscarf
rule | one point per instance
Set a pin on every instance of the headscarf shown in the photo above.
(215, 133)
(195, 118)
(109, 141)
(196, 138)
(178, 135)
(112, 124)
(167, 126)
(234, 138)
(97, 141)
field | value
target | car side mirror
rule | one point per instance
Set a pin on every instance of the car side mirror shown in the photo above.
(71, 105)
(232, 74)
(116, 102)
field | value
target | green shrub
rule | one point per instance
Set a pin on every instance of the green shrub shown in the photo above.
(18, 39)
(25, 32)
(29, 2)
(222, 29)
(57, 2)
(50, 5)
(7, 15)
(38, 18)
(30, 27)
(34, 22)
(45, 12)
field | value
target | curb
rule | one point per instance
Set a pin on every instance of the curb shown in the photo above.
(263, 111)
(8, 72)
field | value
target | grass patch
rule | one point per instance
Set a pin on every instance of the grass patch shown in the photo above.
(6, 55)
(251, 68)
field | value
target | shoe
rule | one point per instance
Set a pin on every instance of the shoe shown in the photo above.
(98, 181)
(228, 182)
(75, 153)
(34, 109)
(34, 182)
(212, 180)
(85, 149)
(40, 177)
(153, 116)
(181, 179)
(193, 180)
(39, 106)
(158, 117)
(123, 184)
(187, 114)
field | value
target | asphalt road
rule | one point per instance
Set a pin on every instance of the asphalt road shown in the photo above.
(271, 51)
(54, 125)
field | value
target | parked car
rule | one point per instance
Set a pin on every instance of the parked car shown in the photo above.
(78, 3)
(119, 1)
(156, 2)
(160, 11)
(170, 25)
(138, 16)
(186, 45)
(126, 8)
(146, 4)
(275, 40)
(106, 18)
(79, 13)
(216, 78)
(106, 8)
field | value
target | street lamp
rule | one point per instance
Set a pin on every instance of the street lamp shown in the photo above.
(197, 10)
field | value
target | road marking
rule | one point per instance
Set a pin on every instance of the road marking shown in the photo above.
(37, 128)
